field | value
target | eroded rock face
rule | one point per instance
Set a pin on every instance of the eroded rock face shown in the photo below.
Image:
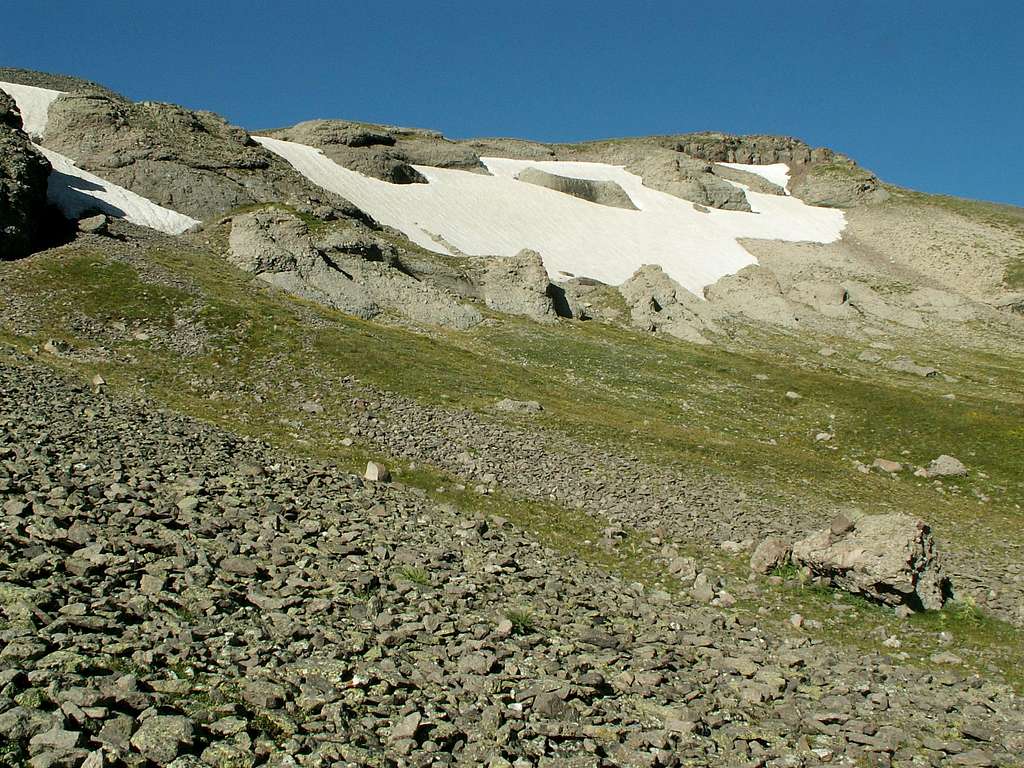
(192, 162)
(23, 179)
(383, 152)
(888, 558)
(754, 291)
(350, 270)
(602, 192)
(519, 285)
(658, 303)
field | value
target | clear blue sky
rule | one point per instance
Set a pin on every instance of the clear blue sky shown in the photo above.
(927, 94)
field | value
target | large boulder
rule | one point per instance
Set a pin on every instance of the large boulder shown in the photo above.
(889, 558)
(824, 297)
(23, 180)
(658, 303)
(602, 192)
(192, 162)
(519, 285)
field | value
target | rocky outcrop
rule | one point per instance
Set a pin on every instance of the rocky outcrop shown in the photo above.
(824, 297)
(839, 183)
(602, 192)
(192, 162)
(519, 285)
(888, 558)
(55, 82)
(658, 303)
(23, 180)
(755, 292)
(752, 149)
(383, 152)
(349, 271)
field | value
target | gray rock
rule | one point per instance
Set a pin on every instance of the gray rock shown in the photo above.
(519, 406)
(519, 285)
(770, 554)
(889, 558)
(906, 365)
(376, 472)
(658, 303)
(161, 738)
(946, 466)
(601, 192)
(93, 225)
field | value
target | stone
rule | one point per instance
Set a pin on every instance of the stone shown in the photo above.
(601, 192)
(376, 472)
(906, 365)
(519, 406)
(24, 174)
(519, 285)
(770, 554)
(161, 738)
(702, 589)
(406, 728)
(946, 466)
(886, 465)
(889, 558)
(659, 304)
(93, 225)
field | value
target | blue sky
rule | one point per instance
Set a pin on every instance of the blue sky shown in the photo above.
(927, 94)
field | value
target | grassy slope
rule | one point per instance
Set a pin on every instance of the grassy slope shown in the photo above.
(669, 402)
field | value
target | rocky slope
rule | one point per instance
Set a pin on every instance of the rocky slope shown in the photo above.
(173, 591)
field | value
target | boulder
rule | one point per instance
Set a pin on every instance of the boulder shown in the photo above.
(904, 364)
(770, 554)
(519, 406)
(946, 466)
(658, 303)
(888, 558)
(601, 192)
(376, 472)
(93, 225)
(887, 465)
(519, 285)
(23, 180)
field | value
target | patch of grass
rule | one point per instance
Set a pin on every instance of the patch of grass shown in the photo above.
(13, 754)
(523, 621)
(414, 574)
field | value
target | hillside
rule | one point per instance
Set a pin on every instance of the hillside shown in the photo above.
(599, 377)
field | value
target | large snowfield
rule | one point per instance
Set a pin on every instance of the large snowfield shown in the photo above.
(75, 191)
(476, 214)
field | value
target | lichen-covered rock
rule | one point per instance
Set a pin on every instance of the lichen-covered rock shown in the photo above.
(658, 303)
(770, 554)
(23, 180)
(888, 558)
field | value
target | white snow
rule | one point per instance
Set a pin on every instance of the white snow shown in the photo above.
(776, 173)
(34, 105)
(497, 215)
(75, 191)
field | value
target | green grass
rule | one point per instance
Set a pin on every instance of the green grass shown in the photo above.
(414, 574)
(692, 408)
(1015, 274)
(523, 621)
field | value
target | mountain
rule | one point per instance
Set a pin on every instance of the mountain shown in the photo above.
(354, 444)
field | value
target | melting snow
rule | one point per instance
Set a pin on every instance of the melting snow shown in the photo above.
(497, 215)
(75, 192)
(776, 173)
(34, 105)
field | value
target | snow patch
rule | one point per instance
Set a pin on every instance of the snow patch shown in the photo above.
(776, 173)
(34, 105)
(75, 192)
(498, 215)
